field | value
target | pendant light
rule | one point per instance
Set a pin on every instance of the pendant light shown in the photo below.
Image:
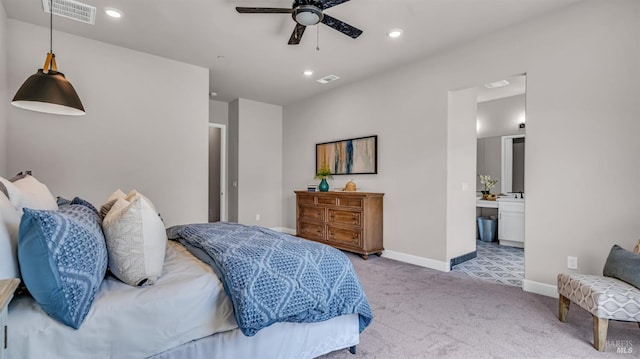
(48, 90)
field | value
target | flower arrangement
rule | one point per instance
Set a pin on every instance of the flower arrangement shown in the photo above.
(488, 183)
(323, 172)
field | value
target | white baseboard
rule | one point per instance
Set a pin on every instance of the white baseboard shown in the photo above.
(527, 285)
(419, 261)
(402, 257)
(540, 288)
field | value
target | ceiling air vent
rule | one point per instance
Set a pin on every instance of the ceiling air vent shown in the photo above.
(327, 79)
(72, 10)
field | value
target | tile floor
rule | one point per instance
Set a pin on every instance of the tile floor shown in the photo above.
(496, 263)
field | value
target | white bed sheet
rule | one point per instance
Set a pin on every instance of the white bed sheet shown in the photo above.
(188, 302)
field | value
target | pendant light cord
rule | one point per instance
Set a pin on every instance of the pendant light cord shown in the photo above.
(51, 26)
(50, 62)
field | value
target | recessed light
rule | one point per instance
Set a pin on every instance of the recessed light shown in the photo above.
(115, 13)
(213, 94)
(308, 72)
(393, 33)
(493, 85)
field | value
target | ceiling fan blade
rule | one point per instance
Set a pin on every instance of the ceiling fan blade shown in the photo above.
(296, 35)
(263, 10)
(341, 26)
(331, 3)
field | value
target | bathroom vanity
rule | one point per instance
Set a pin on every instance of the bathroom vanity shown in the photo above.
(510, 219)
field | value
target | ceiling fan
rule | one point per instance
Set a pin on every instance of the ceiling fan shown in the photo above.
(306, 13)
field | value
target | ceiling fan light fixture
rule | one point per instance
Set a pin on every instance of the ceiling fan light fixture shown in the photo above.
(307, 15)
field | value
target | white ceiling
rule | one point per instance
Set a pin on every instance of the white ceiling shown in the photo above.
(248, 55)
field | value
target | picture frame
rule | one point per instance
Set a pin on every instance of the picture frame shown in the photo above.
(352, 156)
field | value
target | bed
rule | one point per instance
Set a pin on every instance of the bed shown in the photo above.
(190, 310)
(189, 301)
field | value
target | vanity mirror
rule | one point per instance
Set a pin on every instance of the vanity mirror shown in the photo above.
(512, 164)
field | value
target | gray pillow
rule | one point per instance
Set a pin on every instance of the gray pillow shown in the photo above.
(20, 176)
(3, 189)
(624, 265)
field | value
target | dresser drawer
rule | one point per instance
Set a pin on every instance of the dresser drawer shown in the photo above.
(326, 201)
(310, 213)
(305, 199)
(350, 202)
(311, 231)
(345, 217)
(343, 236)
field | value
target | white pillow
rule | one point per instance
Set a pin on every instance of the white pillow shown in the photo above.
(133, 193)
(28, 192)
(104, 209)
(9, 223)
(136, 241)
(13, 192)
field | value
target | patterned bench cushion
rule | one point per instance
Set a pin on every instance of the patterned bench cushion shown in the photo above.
(603, 297)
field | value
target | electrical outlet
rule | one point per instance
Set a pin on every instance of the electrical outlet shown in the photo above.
(572, 262)
(257, 217)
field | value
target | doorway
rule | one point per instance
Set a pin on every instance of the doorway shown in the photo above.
(500, 122)
(217, 172)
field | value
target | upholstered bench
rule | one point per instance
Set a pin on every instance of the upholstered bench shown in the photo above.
(604, 297)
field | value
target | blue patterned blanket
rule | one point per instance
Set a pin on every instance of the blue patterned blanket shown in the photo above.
(274, 277)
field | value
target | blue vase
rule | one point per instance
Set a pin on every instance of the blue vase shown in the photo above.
(323, 186)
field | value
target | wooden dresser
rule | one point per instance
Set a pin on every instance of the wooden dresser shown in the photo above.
(351, 221)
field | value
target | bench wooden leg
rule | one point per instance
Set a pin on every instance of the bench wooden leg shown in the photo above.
(600, 326)
(563, 308)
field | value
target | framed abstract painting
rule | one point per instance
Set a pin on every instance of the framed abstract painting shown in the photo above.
(352, 156)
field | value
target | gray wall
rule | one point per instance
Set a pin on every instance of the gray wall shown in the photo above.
(255, 163)
(489, 160)
(497, 118)
(260, 163)
(218, 112)
(4, 90)
(501, 117)
(563, 54)
(232, 147)
(141, 130)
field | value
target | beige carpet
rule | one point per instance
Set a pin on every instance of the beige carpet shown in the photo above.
(424, 313)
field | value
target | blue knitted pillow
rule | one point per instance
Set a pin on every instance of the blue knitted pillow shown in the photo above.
(76, 200)
(63, 260)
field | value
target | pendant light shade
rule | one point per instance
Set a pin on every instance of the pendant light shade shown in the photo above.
(48, 90)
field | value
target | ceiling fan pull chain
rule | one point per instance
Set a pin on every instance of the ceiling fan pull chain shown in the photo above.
(317, 38)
